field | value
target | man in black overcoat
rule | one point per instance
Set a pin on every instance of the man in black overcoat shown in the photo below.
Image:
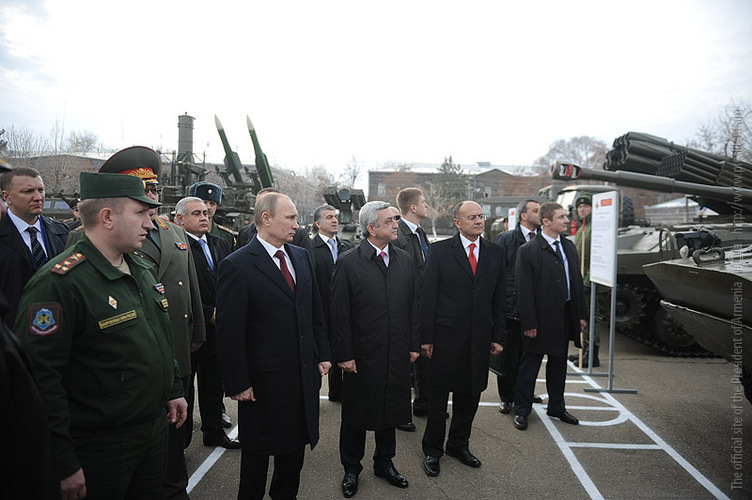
(272, 346)
(327, 247)
(552, 312)
(527, 229)
(461, 319)
(22, 189)
(192, 214)
(412, 239)
(375, 321)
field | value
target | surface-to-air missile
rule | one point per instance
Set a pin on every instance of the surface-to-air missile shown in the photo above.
(262, 164)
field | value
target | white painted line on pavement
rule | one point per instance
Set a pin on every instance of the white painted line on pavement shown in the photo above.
(208, 463)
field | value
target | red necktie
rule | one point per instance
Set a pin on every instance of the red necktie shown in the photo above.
(285, 271)
(471, 256)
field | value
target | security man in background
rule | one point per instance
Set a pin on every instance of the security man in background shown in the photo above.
(212, 196)
(27, 239)
(166, 246)
(94, 323)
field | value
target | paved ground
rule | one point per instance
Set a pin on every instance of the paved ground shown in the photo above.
(675, 438)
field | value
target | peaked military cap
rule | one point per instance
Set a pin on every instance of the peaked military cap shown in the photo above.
(4, 166)
(137, 161)
(207, 191)
(107, 185)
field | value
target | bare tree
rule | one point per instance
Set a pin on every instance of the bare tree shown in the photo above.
(449, 187)
(84, 141)
(352, 170)
(732, 126)
(584, 151)
(23, 143)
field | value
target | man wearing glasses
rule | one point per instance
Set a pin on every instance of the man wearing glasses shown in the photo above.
(461, 320)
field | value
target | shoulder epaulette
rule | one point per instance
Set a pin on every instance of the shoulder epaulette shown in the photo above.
(72, 261)
(227, 229)
(162, 223)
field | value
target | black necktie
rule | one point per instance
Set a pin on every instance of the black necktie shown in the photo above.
(561, 258)
(423, 241)
(37, 252)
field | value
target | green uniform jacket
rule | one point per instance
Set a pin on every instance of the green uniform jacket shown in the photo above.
(176, 270)
(226, 234)
(582, 243)
(99, 345)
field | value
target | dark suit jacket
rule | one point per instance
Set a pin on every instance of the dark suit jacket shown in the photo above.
(207, 278)
(408, 241)
(511, 241)
(462, 314)
(375, 322)
(324, 263)
(271, 339)
(542, 295)
(16, 265)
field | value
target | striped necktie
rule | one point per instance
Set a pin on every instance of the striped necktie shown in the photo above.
(37, 252)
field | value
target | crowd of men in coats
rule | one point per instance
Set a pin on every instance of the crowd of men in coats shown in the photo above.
(118, 319)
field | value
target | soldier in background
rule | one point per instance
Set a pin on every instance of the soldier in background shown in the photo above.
(95, 325)
(212, 196)
(584, 206)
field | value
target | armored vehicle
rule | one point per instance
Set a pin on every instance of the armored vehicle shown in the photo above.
(638, 312)
(346, 201)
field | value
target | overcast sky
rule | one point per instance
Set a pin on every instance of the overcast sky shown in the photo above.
(387, 81)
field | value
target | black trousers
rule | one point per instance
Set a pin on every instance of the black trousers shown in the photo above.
(335, 382)
(210, 392)
(464, 407)
(285, 479)
(422, 383)
(176, 478)
(352, 448)
(556, 378)
(510, 361)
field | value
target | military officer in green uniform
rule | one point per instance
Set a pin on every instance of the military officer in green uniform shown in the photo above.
(94, 321)
(166, 246)
(584, 206)
(212, 196)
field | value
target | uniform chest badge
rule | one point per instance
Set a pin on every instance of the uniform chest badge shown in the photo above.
(159, 287)
(44, 320)
(181, 245)
(112, 302)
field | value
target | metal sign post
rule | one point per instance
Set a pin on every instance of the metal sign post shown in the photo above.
(603, 258)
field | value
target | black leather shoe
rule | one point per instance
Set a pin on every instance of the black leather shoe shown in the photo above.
(506, 407)
(431, 466)
(224, 441)
(565, 417)
(392, 476)
(537, 399)
(349, 484)
(465, 457)
(408, 427)
(226, 422)
(520, 422)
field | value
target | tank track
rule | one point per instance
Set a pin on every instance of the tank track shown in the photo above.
(641, 318)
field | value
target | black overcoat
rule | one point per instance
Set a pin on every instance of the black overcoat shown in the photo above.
(461, 314)
(16, 266)
(324, 264)
(542, 295)
(271, 339)
(410, 243)
(375, 322)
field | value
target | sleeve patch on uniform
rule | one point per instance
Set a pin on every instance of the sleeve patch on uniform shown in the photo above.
(116, 320)
(68, 264)
(44, 319)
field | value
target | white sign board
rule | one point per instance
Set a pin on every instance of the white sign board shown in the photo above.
(512, 219)
(603, 246)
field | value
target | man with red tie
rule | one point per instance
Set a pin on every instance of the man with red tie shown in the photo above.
(273, 349)
(461, 320)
